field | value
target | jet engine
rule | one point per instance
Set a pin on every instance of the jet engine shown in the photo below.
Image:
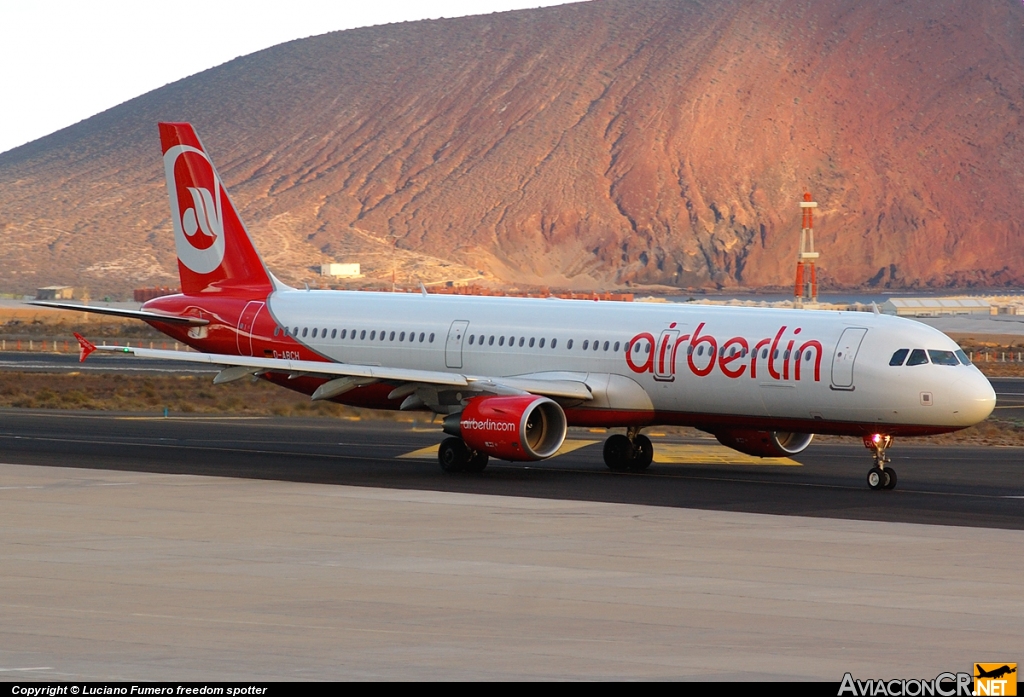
(520, 427)
(765, 443)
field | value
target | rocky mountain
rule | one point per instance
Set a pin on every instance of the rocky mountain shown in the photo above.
(585, 145)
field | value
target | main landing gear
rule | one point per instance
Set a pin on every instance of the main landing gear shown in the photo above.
(455, 456)
(880, 476)
(632, 452)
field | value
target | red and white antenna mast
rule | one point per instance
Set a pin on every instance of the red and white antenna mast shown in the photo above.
(806, 288)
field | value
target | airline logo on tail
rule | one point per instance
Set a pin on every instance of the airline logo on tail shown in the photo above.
(197, 208)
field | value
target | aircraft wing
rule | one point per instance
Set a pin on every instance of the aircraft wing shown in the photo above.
(241, 366)
(119, 312)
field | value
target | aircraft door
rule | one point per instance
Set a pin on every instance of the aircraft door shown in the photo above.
(845, 356)
(246, 322)
(453, 347)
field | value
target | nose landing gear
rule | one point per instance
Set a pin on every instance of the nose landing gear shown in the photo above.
(880, 476)
(632, 452)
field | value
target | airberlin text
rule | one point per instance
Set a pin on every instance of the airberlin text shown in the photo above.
(943, 685)
(782, 357)
(487, 425)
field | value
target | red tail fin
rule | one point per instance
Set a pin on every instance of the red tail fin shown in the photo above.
(215, 254)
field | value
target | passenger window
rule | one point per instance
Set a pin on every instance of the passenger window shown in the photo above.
(373, 335)
(531, 342)
(568, 346)
(918, 357)
(586, 344)
(401, 337)
(541, 343)
(501, 341)
(431, 337)
(899, 357)
(392, 337)
(295, 331)
(554, 343)
(764, 354)
(647, 348)
(471, 339)
(277, 330)
(616, 347)
(421, 337)
(606, 346)
(943, 357)
(963, 357)
(521, 341)
(334, 333)
(305, 330)
(597, 345)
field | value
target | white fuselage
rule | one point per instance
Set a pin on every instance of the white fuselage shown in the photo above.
(696, 364)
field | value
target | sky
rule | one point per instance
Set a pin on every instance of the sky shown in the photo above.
(62, 61)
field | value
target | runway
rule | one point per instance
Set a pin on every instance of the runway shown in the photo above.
(978, 487)
(211, 548)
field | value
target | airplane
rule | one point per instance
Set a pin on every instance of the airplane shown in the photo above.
(996, 673)
(508, 376)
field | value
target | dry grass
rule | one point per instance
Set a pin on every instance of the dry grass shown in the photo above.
(178, 394)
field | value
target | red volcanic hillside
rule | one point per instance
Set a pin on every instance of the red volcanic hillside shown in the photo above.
(591, 144)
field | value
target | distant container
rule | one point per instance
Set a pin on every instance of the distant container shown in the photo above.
(142, 295)
(55, 293)
(340, 270)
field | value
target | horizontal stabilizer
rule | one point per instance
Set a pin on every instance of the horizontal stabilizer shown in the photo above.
(131, 314)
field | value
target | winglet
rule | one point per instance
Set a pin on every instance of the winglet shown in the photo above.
(85, 347)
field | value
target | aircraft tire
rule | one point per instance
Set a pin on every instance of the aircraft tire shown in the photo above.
(453, 455)
(876, 479)
(891, 474)
(477, 463)
(618, 453)
(643, 454)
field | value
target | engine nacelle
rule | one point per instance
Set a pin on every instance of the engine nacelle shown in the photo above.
(765, 443)
(521, 427)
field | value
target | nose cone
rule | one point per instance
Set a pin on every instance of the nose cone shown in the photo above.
(975, 398)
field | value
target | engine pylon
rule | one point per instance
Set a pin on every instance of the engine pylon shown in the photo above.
(806, 287)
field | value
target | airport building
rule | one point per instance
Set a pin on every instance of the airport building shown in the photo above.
(938, 307)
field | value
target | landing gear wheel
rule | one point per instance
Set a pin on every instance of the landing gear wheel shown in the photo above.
(454, 455)
(880, 476)
(891, 474)
(877, 479)
(643, 454)
(618, 453)
(476, 463)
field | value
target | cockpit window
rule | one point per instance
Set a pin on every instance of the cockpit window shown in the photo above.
(899, 357)
(918, 357)
(943, 357)
(963, 357)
